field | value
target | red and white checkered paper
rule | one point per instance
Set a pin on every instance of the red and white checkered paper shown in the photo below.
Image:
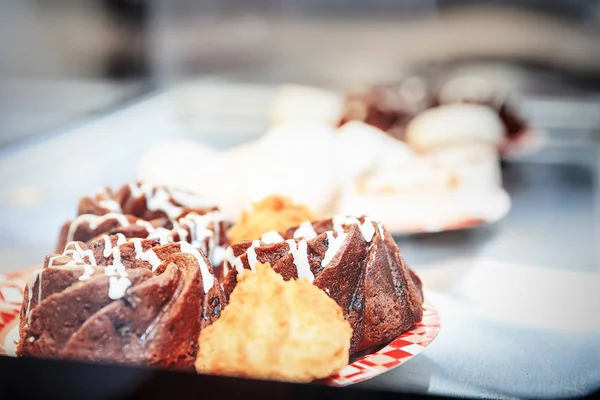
(400, 350)
(396, 353)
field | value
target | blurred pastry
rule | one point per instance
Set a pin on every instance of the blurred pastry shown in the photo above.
(362, 147)
(273, 213)
(389, 107)
(476, 90)
(455, 124)
(276, 329)
(304, 103)
(294, 160)
(392, 106)
(473, 164)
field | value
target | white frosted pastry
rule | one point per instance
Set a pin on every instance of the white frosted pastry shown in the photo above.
(473, 88)
(454, 124)
(361, 148)
(392, 177)
(305, 103)
(472, 164)
(430, 211)
(375, 162)
(410, 192)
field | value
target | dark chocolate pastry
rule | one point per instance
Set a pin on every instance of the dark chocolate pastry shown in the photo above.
(144, 201)
(137, 302)
(144, 211)
(355, 261)
(390, 107)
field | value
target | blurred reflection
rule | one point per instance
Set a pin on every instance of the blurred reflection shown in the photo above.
(60, 61)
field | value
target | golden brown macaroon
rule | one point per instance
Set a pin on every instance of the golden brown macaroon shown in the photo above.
(274, 212)
(276, 329)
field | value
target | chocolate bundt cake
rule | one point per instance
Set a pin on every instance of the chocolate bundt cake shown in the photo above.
(135, 301)
(354, 260)
(145, 201)
(147, 212)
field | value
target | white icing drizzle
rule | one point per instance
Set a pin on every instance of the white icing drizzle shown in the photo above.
(160, 200)
(111, 205)
(117, 286)
(51, 260)
(207, 278)
(136, 191)
(121, 239)
(200, 231)
(252, 254)
(145, 224)
(149, 255)
(119, 267)
(338, 220)
(183, 234)
(305, 230)
(78, 254)
(163, 234)
(108, 247)
(335, 243)
(381, 231)
(118, 282)
(300, 254)
(88, 271)
(271, 237)
(93, 221)
(232, 261)
(218, 255)
(189, 200)
(229, 257)
(366, 228)
(157, 199)
(239, 266)
(77, 258)
(198, 226)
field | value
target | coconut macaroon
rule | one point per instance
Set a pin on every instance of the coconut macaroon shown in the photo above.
(276, 329)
